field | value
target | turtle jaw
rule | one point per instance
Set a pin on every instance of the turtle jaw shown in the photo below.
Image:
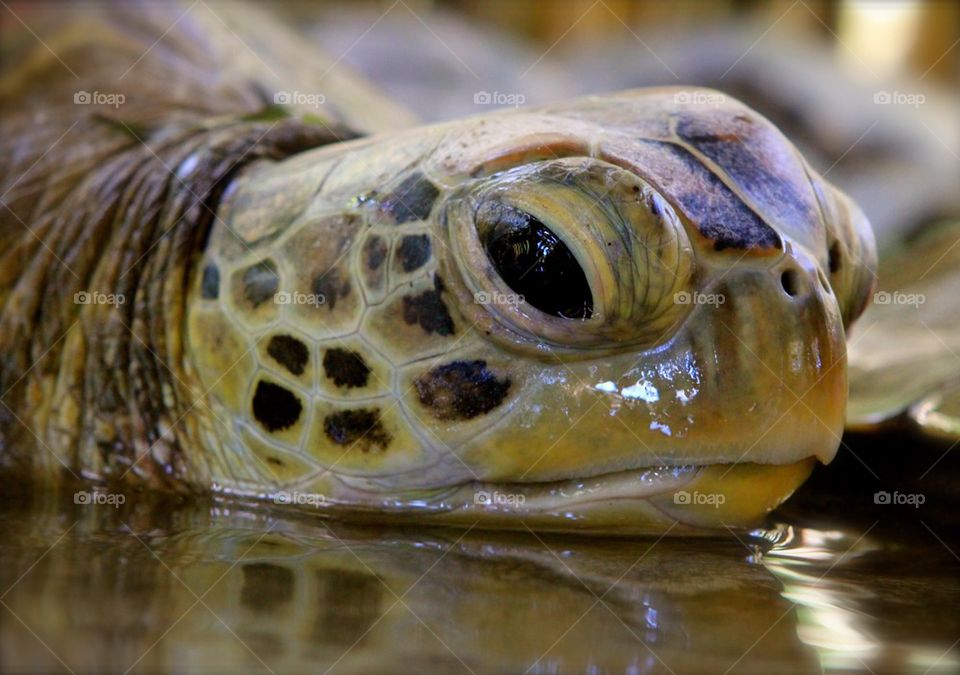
(688, 500)
(693, 500)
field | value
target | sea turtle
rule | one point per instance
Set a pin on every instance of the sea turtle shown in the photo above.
(613, 314)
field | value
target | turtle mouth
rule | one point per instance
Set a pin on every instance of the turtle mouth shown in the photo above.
(629, 484)
(697, 498)
(689, 499)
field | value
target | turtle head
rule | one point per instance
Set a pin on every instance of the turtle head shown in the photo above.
(666, 285)
(610, 315)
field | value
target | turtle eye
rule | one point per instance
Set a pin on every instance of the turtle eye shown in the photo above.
(534, 261)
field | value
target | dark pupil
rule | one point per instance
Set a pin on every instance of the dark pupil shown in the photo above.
(535, 262)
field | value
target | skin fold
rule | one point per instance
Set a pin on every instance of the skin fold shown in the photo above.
(321, 321)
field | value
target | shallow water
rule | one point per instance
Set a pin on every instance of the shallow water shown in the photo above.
(833, 584)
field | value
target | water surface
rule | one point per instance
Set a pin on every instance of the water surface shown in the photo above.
(833, 584)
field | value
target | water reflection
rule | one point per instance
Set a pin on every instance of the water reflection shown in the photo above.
(851, 589)
(220, 587)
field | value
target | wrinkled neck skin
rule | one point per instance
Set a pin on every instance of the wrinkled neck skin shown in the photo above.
(723, 272)
(94, 378)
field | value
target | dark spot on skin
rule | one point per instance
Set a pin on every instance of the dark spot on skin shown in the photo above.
(275, 407)
(411, 200)
(362, 428)
(375, 252)
(429, 310)
(833, 257)
(266, 586)
(260, 282)
(739, 150)
(210, 283)
(289, 352)
(413, 252)
(345, 368)
(717, 212)
(330, 286)
(275, 461)
(461, 390)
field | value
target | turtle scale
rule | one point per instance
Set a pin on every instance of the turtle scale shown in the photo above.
(384, 305)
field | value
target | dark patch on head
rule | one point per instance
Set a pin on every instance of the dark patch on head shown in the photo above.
(718, 213)
(275, 407)
(741, 150)
(346, 368)
(266, 586)
(461, 390)
(429, 310)
(413, 252)
(210, 282)
(362, 428)
(330, 286)
(375, 252)
(260, 282)
(289, 352)
(411, 200)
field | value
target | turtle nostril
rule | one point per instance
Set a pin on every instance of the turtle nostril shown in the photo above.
(833, 257)
(790, 282)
